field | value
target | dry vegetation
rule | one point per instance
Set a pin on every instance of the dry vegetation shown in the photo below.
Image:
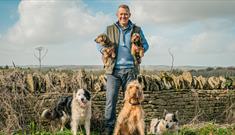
(19, 87)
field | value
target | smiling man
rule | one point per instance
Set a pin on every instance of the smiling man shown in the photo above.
(124, 68)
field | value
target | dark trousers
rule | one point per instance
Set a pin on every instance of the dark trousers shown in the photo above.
(120, 77)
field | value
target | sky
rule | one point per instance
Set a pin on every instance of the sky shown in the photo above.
(197, 32)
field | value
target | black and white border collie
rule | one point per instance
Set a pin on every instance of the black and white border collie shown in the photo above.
(75, 109)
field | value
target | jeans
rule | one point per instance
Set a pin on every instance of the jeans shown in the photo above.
(120, 77)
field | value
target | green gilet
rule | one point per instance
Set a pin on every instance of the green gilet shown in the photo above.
(113, 34)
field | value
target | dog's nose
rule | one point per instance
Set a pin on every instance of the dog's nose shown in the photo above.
(167, 126)
(82, 99)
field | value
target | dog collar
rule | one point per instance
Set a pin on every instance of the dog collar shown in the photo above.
(138, 103)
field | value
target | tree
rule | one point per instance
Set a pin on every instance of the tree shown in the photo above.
(172, 60)
(40, 57)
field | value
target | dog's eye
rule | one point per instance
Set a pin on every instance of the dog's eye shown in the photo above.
(170, 120)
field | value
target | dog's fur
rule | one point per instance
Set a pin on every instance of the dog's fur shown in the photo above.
(108, 50)
(136, 48)
(131, 117)
(169, 123)
(157, 126)
(76, 108)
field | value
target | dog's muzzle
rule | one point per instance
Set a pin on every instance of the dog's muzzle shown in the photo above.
(83, 102)
(136, 102)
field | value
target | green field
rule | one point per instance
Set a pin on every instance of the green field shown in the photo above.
(192, 129)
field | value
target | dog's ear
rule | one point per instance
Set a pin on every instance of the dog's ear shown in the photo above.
(175, 118)
(127, 95)
(164, 113)
(87, 94)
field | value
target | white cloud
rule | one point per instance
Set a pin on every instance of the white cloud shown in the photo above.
(53, 22)
(179, 11)
(216, 36)
(212, 42)
(195, 31)
(193, 45)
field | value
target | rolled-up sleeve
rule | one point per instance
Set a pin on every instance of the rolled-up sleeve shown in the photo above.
(144, 41)
(100, 47)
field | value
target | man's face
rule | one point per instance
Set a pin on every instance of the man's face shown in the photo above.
(123, 16)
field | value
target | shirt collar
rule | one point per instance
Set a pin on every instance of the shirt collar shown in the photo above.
(130, 25)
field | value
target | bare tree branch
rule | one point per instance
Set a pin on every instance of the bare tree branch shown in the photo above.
(45, 54)
(172, 60)
(13, 64)
(40, 57)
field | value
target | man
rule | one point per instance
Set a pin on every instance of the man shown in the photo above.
(123, 69)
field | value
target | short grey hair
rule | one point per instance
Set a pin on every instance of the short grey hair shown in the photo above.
(124, 6)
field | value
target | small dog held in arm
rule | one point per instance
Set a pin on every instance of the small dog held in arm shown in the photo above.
(136, 48)
(75, 109)
(108, 51)
(168, 124)
(131, 118)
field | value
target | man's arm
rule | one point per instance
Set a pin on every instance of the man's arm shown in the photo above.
(99, 48)
(144, 41)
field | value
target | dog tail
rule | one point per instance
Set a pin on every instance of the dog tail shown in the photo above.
(46, 114)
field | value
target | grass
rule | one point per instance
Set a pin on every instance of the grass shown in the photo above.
(193, 129)
(65, 132)
(207, 129)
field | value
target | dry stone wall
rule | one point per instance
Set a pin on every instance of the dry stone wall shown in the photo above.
(25, 94)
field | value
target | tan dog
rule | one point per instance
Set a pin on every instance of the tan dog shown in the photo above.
(137, 48)
(108, 51)
(131, 117)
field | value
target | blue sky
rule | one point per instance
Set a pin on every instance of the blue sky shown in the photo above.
(8, 14)
(198, 33)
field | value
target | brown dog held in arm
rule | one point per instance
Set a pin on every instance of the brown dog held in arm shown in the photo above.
(108, 51)
(136, 48)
